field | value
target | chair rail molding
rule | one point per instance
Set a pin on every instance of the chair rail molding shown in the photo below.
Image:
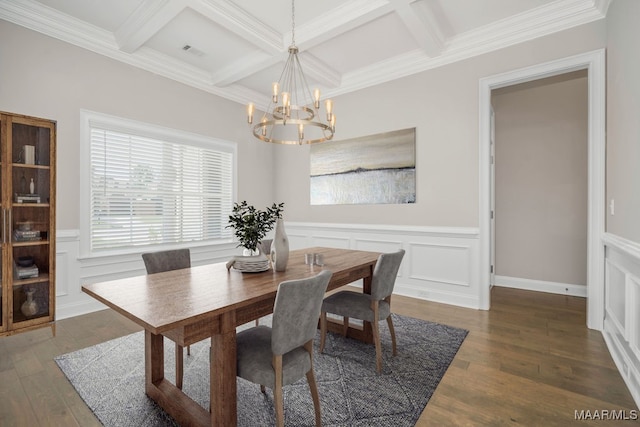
(622, 308)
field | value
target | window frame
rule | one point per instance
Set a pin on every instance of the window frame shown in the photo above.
(89, 119)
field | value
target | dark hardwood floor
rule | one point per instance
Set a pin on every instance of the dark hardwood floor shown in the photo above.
(528, 361)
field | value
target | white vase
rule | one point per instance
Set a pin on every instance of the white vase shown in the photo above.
(280, 247)
(29, 308)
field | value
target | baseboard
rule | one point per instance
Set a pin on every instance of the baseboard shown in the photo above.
(541, 286)
(78, 308)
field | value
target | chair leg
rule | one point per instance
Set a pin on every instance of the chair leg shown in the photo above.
(313, 387)
(179, 366)
(263, 388)
(376, 336)
(393, 335)
(323, 330)
(345, 326)
(188, 350)
(277, 391)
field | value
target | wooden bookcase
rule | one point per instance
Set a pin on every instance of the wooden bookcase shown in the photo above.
(27, 223)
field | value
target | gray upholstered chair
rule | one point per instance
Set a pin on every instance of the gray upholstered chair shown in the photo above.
(158, 262)
(370, 308)
(280, 355)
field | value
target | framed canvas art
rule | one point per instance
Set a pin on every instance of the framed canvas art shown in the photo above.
(376, 169)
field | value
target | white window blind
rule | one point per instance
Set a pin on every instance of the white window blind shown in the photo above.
(146, 191)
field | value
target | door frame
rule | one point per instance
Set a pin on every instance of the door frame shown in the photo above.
(594, 62)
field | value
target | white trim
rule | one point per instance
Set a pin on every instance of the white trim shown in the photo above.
(629, 247)
(542, 286)
(594, 62)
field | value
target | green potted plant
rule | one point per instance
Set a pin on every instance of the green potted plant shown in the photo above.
(251, 225)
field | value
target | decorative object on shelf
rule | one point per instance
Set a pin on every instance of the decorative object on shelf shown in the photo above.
(29, 155)
(250, 225)
(280, 247)
(293, 114)
(29, 308)
(32, 186)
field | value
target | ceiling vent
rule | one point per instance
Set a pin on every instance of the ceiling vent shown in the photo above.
(192, 50)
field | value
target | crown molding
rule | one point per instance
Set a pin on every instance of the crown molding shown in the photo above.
(545, 20)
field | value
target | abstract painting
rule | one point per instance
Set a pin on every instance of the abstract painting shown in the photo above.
(376, 169)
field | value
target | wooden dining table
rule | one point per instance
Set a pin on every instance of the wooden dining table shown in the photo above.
(209, 301)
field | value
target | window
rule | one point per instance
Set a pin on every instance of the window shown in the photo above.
(147, 185)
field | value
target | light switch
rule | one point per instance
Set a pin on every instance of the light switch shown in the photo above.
(612, 207)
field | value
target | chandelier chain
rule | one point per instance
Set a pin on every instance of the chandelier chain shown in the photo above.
(293, 22)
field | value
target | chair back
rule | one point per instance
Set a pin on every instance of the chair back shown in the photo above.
(296, 312)
(175, 259)
(385, 273)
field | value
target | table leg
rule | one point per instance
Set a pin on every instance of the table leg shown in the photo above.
(367, 330)
(223, 373)
(154, 359)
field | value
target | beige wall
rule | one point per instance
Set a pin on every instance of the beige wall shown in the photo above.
(49, 78)
(541, 180)
(623, 118)
(44, 77)
(442, 104)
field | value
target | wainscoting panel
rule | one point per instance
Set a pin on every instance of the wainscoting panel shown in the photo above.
(622, 308)
(440, 264)
(72, 271)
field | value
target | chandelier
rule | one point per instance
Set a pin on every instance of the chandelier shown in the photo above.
(293, 115)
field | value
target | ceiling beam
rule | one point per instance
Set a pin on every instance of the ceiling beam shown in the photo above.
(346, 17)
(419, 19)
(148, 18)
(235, 19)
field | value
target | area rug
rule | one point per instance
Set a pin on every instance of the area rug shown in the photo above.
(110, 379)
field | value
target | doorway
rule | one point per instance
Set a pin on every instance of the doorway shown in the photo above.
(594, 63)
(540, 185)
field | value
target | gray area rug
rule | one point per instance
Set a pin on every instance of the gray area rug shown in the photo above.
(110, 379)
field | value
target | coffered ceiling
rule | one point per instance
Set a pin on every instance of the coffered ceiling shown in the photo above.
(235, 49)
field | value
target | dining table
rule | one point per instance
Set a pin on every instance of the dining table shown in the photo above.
(209, 302)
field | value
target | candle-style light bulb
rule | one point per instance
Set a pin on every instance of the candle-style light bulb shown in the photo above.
(286, 103)
(276, 89)
(329, 106)
(250, 108)
(333, 122)
(316, 98)
(300, 132)
(264, 128)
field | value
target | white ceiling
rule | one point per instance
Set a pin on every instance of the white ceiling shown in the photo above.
(238, 47)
